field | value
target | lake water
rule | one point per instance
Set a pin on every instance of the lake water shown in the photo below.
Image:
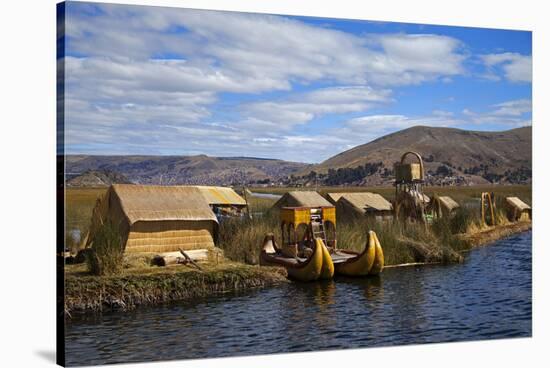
(487, 297)
(266, 195)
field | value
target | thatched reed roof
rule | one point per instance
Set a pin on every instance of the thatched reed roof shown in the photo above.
(517, 203)
(417, 196)
(447, 202)
(302, 199)
(334, 197)
(162, 203)
(221, 196)
(366, 201)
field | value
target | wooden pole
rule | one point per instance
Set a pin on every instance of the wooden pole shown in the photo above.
(492, 210)
(483, 207)
(189, 259)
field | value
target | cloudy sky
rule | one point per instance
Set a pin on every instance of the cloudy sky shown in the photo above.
(170, 81)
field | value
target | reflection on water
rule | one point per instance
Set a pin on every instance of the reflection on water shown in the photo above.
(489, 296)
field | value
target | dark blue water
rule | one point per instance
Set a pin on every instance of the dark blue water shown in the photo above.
(487, 297)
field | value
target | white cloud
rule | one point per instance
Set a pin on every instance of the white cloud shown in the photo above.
(511, 114)
(304, 107)
(246, 46)
(516, 67)
(151, 80)
(513, 108)
(374, 126)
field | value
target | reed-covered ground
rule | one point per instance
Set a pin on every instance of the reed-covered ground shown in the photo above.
(136, 282)
(441, 241)
(459, 193)
(402, 242)
(141, 284)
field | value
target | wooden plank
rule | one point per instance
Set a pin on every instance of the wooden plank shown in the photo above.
(189, 256)
(195, 254)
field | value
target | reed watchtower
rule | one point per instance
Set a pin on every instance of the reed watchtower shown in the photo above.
(410, 200)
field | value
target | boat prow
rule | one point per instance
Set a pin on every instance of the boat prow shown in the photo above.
(302, 269)
(369, 262)
(327, 270)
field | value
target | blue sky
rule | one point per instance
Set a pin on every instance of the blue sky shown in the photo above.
(172, 81)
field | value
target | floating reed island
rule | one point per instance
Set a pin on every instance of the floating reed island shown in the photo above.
(154, 244)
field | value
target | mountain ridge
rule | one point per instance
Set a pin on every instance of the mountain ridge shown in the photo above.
(477, 156)
(451, 156)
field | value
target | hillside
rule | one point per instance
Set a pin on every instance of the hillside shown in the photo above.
(92, 178)
(198, 170)
(452, 155)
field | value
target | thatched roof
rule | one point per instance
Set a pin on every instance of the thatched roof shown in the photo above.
(517, 203)
(302, 199)
(448, 202)
(420, 197)
(334, 197)
(221, 196)
(161, 203)
(366, 201)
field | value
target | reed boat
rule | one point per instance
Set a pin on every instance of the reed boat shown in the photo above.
(298, 268)
(308, 250)
(368, 262)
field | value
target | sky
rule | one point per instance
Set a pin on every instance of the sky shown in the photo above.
(171, 81)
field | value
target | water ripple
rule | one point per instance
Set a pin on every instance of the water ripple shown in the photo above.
(489, 296)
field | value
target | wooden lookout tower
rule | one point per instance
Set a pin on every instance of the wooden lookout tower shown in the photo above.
(410, 200)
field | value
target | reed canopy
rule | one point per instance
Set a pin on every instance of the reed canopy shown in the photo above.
(360, 204)
(304, 198)
(516, 209)
(153, 218)
(221, 196)
(224, 201)
(442, 206)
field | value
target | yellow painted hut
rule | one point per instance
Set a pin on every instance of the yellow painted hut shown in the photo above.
(517, 210)
(359, 204)
(156, 218)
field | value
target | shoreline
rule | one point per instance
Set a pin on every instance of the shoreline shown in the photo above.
(95, 294)
(492, 234)
(86, 294)
(478, 239)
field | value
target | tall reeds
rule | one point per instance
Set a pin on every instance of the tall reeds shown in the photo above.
(107, 254)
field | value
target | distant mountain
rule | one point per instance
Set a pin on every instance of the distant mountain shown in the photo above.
(453, 155)
(101, 178)
(198, 170)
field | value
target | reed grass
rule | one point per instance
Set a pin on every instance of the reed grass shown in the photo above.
(145, 285)
(107, 255)
(241, 239)
(441, 241)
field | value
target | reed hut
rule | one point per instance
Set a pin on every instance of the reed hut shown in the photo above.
(309, 199)
(517, 210)
(357, 205)
(156, 218)
(224, 201)
(441, 206)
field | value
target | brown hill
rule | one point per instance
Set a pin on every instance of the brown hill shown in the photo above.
(171, 170)
(478, 157)
(101, 178)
